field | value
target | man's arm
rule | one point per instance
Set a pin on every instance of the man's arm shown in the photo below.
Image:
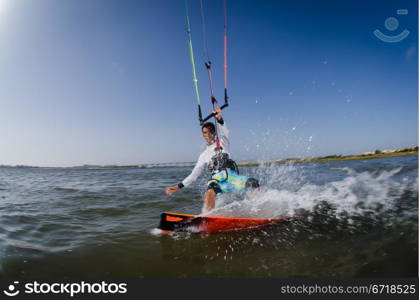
(224, 134)
(197, 170)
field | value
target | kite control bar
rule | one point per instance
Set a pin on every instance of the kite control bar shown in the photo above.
(202, 121)
(212, 115)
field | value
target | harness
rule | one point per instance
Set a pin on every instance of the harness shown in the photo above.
(221, 162)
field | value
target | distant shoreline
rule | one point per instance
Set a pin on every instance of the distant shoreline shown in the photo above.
(334, 158)
(369, 155)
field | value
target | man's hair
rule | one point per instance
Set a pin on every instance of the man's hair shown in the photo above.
(210, 126)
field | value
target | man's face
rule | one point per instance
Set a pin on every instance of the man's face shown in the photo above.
(208, 135)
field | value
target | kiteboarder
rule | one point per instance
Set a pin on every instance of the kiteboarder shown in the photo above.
(216, 156)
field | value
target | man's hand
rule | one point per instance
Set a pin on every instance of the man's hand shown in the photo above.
(217, 112)
(171, 189)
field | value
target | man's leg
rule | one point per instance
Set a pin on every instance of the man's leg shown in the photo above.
(252, 187)
(209, 200)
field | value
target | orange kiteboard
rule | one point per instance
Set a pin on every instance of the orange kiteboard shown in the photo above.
(174, 222)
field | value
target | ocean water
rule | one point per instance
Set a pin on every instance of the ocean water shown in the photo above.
(359, 219)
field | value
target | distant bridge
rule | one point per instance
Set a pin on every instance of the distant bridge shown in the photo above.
(168, 165)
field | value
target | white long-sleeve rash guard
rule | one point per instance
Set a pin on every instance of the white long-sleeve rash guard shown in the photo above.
(205, 157)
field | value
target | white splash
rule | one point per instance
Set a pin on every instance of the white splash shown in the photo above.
(286, 191)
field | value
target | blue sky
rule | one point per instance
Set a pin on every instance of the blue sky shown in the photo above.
(110, 82)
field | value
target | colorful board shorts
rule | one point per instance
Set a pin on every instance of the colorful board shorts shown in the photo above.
(228, 181)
